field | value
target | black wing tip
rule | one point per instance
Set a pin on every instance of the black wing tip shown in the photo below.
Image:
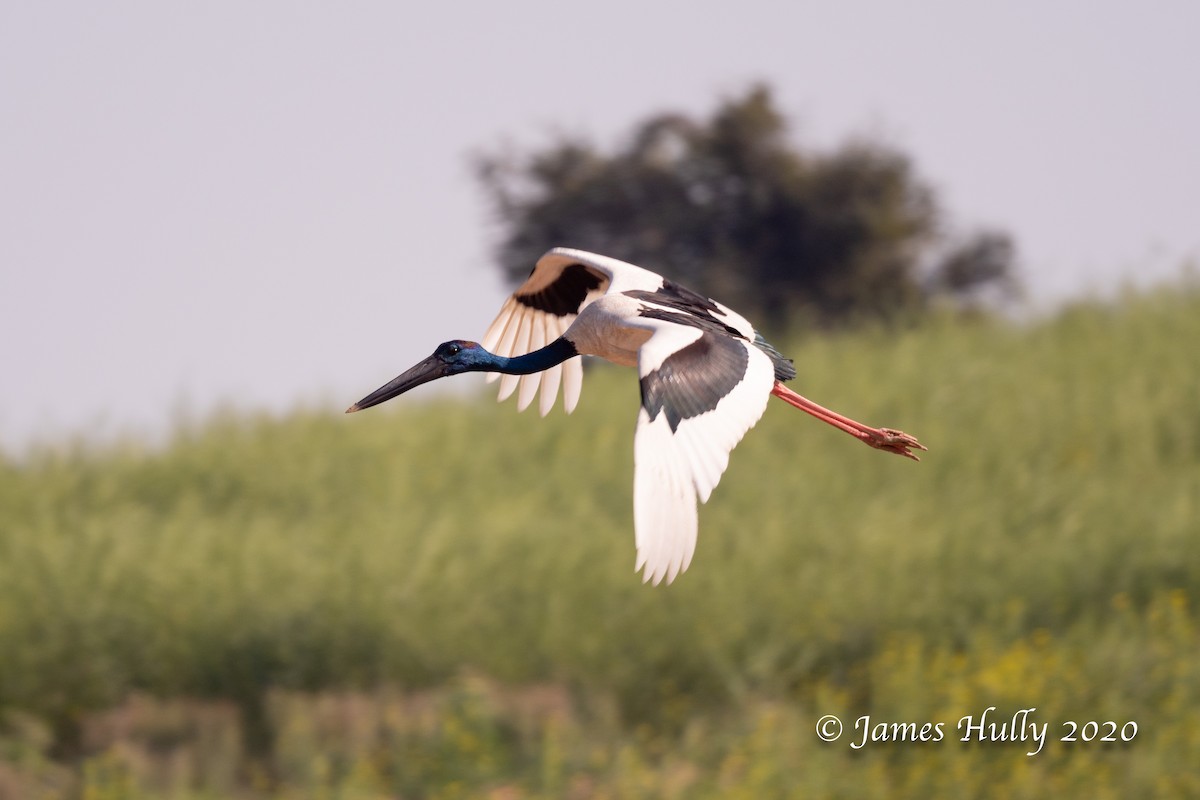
(565, 294)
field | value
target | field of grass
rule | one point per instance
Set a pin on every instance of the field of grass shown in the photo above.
(437, 599)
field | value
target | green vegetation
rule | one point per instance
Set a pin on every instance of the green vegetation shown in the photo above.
(438, 599)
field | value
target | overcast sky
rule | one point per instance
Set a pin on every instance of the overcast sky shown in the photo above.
(270, 203)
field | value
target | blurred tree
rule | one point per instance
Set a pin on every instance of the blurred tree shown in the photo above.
(977, 264)
(731, 208)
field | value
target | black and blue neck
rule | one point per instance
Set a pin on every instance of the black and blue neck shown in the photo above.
(452, 358)
(549, 356)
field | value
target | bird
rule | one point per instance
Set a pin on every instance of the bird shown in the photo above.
(705, 374)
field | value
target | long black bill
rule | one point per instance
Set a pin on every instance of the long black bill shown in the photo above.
(428, 370)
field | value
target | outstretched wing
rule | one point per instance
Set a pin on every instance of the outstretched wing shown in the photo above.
(562, 283)
(701, 391)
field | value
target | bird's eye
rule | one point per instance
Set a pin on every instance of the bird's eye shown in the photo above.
(452, 349)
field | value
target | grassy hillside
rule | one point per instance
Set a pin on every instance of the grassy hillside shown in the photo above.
(437, 599)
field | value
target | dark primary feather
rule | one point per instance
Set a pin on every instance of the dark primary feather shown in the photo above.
(693, 304)
(785, 370)
(566, 294)
(693, 380)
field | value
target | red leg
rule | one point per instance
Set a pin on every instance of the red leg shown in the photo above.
(888, 439)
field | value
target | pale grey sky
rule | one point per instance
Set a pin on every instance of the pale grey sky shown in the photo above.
(270, 203)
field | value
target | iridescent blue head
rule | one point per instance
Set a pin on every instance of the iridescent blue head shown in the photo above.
(450, 358)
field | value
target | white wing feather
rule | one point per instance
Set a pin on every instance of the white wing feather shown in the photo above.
(673, 470)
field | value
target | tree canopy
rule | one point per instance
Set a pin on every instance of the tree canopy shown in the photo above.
(733, 208)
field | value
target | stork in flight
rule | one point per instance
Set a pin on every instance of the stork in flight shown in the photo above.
(705, 377)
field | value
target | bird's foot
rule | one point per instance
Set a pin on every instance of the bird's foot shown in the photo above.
(893, 441)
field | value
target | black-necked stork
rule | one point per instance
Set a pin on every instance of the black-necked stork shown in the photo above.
(705, 378)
